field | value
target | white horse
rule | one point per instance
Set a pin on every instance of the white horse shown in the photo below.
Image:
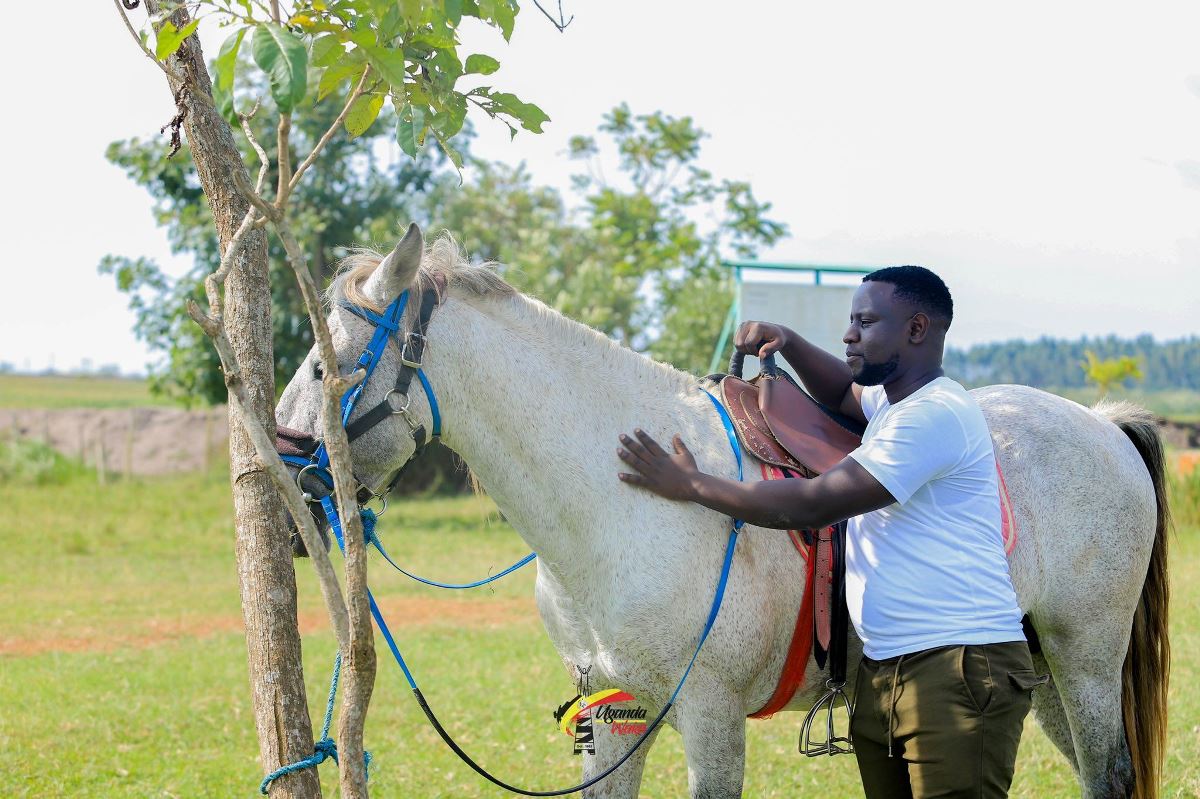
(534, 401)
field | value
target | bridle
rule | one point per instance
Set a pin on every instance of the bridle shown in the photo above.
(310, 454)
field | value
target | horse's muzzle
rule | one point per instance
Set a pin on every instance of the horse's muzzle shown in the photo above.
(296, 443)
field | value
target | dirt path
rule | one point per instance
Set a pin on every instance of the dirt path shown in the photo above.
(148, 440)
(401, 612)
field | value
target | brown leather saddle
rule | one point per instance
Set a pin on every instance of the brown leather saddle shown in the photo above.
(780, 424)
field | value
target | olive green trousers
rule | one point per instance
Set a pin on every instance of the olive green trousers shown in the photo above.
(942, 722)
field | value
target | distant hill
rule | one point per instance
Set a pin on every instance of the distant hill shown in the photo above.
(1055, 363)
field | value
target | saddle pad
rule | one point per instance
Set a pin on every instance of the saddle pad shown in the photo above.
(1008, 522)
(800, 647)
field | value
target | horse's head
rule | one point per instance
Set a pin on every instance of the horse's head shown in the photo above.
(376, 310)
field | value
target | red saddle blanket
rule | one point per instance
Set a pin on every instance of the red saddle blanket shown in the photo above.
(818, 580)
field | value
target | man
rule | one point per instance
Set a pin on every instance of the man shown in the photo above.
(944, 684)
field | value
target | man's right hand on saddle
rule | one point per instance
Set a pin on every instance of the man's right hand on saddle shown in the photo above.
(760, 339)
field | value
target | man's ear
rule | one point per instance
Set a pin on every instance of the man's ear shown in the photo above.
(918, 327)
(398, 269)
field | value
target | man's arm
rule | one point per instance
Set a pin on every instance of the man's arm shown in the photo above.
(826, 377)
(845, 490)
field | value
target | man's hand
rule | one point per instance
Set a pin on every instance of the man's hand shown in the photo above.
(760, 339)
(669, 475)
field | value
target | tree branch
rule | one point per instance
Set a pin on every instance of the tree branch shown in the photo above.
(337, 123)
(283, 160)
(275, 468)
(559, 23)
(142, 45)
(358, 660)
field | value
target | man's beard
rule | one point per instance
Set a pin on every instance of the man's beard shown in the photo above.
(874, 374)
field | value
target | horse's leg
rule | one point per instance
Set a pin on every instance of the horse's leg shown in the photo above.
(626, 781)
(1087, 672)
(712, 723)
(1051, 717)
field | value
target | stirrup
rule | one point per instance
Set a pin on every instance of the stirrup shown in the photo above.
(833, 744)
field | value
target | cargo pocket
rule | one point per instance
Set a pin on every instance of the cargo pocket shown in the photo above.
(1026, 680)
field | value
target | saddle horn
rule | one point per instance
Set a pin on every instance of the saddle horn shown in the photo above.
(766, 366)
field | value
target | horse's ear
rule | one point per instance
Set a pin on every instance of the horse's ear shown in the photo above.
(398, 270)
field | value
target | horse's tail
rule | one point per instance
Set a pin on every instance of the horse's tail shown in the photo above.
(1147, 666)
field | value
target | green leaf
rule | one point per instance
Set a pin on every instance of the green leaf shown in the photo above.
(325, 50)
(410, 129)
(282, 55)
(506, 17)
(411, 9)
(454, 155)
(454, 11)
(332, 77)
(226, 63)
(480, 64)
(170, 38)
(530, 116)
(449, 120)
(362, 114)
(388, 63)
(224, 101)
(447, 69)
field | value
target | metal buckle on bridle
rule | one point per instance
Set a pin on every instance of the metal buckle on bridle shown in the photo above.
(404, 359)
(308, 497)
(383, 508)
(833, 744)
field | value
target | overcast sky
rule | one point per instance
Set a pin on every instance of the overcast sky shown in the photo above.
(1042, 157)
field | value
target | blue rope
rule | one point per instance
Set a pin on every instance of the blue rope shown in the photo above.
(325, 747)
(368, 520)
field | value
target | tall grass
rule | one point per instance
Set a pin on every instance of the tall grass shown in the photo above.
(25, 463)
(1185, 498)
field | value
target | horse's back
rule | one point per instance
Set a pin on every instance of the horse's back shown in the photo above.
(1082, 499)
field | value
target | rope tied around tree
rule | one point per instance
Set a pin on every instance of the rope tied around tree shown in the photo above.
(325, 747)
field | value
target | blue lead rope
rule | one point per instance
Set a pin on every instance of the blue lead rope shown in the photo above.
(325, 747)
(368, 519)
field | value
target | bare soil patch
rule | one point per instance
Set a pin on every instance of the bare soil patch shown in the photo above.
(401, 612)
(145, 440)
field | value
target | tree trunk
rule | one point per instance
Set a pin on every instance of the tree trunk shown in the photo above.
(264, 560)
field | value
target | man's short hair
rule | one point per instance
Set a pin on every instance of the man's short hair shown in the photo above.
(920, 287)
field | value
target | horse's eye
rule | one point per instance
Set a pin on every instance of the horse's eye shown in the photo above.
(318, 372)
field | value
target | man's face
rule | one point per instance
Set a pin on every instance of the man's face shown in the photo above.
(877, 333)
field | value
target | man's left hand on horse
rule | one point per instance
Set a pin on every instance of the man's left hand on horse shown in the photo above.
(671, 475)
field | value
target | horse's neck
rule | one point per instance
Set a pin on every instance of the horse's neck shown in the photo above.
(533, 402)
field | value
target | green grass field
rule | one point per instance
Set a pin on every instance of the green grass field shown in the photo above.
(122, 665)
(74, 391)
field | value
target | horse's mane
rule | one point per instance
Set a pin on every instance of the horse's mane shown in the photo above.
(444, 258)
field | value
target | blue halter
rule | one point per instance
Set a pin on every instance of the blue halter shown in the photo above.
(387, 325)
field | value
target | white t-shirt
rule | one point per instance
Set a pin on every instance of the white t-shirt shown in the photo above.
(929, 570)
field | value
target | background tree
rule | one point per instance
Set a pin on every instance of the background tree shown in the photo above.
(1104, 373)
(636, 258)
(351, 196)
